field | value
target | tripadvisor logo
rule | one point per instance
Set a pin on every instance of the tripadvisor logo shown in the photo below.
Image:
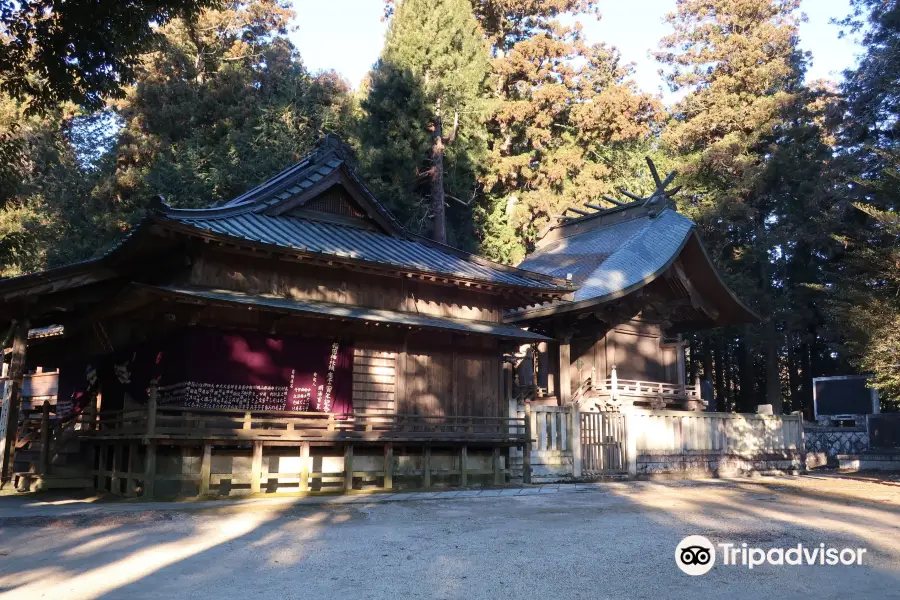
(696, 555)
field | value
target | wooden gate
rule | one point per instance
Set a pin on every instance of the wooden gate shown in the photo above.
(603, 443)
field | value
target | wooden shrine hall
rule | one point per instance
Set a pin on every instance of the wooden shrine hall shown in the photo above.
(294, 338)
(297, 338)
(642, 277)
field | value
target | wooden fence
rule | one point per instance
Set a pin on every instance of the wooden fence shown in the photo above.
(603, 443)
(670, 431)
(552, 429)
(666, 440)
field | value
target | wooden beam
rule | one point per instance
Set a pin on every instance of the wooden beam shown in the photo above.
(578, 211)
(498, 471)
(697, 298)
(12, 398)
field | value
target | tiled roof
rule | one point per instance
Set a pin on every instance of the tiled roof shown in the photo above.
(347, 311)
(344, 241)
(613, 258)
(256, 216)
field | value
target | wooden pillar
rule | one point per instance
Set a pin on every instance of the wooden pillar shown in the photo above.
(45, 438)
(464, 466)
(132, 470)
(151, 409)
(498, 471)
(388, 466)
(400, 378)
(12, 398)
(426, 467)
(575, 441)
(631, 425)
(205, 469)
(115, 485)
(101, 467)
(150, 470)
(526, 452)
(256, 468)
(348, 467)
(565, 381)
(304, 467)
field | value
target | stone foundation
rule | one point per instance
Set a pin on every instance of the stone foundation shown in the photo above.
(825, 444)
(715, 464)
(869, 461)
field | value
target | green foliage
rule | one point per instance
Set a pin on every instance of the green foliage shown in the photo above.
(566, 125)
(428, 81)
(220, 105)
(80, 51)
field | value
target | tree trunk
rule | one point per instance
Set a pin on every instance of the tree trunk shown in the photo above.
(793, 376)
(729, 376)
(707, 360)
(692, 359)
(720, 375)
(747, 401)
(439, 223)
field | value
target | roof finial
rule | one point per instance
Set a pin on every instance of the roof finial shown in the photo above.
(654, 203)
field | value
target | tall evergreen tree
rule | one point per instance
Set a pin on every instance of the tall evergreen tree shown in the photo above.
(566, 125)
(740, 64)
(222, 103)
(422, 131)
(866, 284)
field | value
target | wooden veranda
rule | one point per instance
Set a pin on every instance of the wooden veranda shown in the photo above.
(125, 446)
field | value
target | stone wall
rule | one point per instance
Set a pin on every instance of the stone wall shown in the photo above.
(869, 461)
(824, 444)
(701, 463)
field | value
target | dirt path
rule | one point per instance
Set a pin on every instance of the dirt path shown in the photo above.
(613, 540)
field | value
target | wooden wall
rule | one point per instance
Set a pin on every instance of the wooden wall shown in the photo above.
(448, 383)
(635, 347)
(309, 282)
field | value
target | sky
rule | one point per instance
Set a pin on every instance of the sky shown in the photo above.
(346, 35)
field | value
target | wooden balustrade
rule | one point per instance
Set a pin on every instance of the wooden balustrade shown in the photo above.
(180, 423)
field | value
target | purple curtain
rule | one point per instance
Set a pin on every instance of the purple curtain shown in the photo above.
(208, 368)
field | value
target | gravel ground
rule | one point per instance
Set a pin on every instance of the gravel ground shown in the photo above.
(615, 540)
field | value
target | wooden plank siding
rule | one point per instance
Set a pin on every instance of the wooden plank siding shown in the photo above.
(308, 282)
(374, 381)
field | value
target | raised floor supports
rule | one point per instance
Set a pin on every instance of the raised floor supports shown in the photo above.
(256, 468)
(348, 467)
(205, 469)
(150, 470)
(388, 466)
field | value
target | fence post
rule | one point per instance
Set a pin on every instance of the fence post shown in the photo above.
(575, 441)
(614, 383)
(526, 453)
(631, 433)
(45, 438)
